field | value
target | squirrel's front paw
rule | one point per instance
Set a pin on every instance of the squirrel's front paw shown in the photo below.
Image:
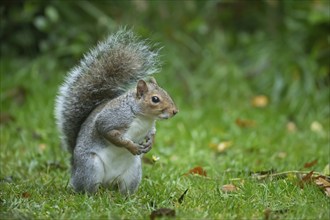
(146, 147)
(137, 149)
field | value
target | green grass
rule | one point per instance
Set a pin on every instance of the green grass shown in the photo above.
(35, 170)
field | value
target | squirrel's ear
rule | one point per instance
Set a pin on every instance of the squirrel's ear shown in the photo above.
(152, 80)
(141, 88)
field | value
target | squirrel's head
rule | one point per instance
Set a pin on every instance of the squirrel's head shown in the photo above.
(154, 101)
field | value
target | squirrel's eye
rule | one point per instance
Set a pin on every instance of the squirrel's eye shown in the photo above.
(155, 99)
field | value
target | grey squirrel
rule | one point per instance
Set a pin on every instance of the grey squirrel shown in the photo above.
(104, 123)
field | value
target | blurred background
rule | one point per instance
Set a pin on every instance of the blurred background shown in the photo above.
(251, 79)
(280, 48)
(216, 55)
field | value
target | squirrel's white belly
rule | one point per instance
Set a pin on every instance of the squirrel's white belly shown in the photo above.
(119, 161)
(138, 129)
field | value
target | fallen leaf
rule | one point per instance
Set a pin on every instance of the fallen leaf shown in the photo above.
(291, 127)
(310, 164)
(162, 212)
(259, 101)
(307, 178)
(327, 191)
(244, 123)
(321, 181)
(228, 188)
(197, 170)
(326, 170)
(180, 200)
(221, 147)
(316, 127)
(26, 195)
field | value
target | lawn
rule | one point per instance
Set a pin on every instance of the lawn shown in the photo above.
(251, 140)
(35, 170)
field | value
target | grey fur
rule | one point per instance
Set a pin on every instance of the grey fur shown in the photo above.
(105, 125)
(103, 74)
(88, 170)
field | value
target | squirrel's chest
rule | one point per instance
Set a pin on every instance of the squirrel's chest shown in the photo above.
(139, 128)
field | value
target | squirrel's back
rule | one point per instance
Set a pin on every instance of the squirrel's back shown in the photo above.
(103, 74)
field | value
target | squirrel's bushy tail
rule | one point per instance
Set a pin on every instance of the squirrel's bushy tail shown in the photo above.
(103, 74)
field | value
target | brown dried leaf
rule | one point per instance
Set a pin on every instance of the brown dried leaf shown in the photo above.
(196, 170)
(26, 195)
(245, 123)
(162, 212)
(310, 164)
(322, 182)
(306, 179)
(259, 101)
(228, 188)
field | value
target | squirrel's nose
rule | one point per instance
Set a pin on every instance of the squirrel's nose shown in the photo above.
(175, 111)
